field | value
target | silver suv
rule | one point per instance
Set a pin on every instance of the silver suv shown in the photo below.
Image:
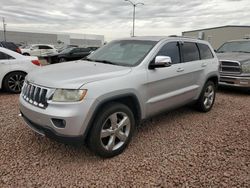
(103, 98)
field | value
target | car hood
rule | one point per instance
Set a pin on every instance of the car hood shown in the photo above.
(234, 56)
(74, 74)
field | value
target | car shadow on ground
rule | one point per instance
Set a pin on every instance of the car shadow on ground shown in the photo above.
(233, 90)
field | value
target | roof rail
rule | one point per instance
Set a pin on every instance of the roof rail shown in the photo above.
(188, 37)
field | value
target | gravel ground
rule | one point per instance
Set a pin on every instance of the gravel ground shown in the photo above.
(183, 148)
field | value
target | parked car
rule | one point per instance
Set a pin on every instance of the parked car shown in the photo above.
(13, 69)
(73, 54)
(39, 50)
(234, 59)
(66, 47)
(10, 46)
(102, 99)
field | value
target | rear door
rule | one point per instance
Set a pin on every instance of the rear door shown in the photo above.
(193, 68)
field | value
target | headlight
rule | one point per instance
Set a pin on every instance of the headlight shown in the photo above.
(68, 95)
(246, 67)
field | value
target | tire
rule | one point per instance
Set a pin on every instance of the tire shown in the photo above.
(13, 82)
(107, 139)
(26, 54)
(207, 97)
(62, 60)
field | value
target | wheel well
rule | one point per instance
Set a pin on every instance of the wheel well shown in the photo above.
(10, 73)
(26, 53)
(215, 80)
(129, 100)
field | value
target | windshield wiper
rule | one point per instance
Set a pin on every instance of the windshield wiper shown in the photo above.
(100, 61)
(105, 61)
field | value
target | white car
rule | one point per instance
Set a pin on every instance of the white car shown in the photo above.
(39, 50)
(13, 69)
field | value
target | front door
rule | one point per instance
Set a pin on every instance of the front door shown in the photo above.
(165, 86)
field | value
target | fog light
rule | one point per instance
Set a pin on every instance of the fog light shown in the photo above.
(60, 123)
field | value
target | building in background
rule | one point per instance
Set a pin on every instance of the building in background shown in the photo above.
(218, 35)
(25, 38)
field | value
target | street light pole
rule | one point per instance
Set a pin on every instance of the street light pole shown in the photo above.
(4, 30)
(134, 6)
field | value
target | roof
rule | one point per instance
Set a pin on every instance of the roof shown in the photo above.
(241, 26)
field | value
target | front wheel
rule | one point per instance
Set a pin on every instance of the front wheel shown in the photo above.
(207, 97)
(13, 82)
(112, 130)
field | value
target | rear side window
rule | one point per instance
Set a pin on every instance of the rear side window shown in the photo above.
(4, 56)
(205, 51)
(171, 49)
(45, 47)
(190, 52)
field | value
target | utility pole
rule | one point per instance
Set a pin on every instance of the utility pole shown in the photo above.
(4, 29)
(134, 6)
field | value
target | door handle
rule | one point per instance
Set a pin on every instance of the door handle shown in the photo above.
(180, 69)
(204, 64)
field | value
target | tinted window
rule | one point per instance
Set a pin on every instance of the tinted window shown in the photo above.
(85, 50)
(172, 50)
(205, 51)
(190, 52)
(9, 45)
(76, 50)
(45, 47)
(5, 56)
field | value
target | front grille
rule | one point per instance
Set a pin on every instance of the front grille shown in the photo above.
(230, 67)
(35, 95)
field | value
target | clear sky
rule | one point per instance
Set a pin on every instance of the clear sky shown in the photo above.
(113, 18)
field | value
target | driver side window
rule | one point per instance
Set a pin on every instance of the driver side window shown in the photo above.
(172, 50)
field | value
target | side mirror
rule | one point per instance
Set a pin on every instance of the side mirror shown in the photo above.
(215, 51)
(161, 62)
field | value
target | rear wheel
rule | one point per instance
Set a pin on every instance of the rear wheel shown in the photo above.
(207, 97)
(13, 82)
(112, 130)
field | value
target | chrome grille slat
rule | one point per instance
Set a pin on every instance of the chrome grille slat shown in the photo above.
(230, 67)
(35, 95)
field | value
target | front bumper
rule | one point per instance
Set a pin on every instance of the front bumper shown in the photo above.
(75, 115)
(235, 81)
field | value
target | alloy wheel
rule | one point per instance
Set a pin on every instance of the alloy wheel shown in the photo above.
(15, 82)
(115, 131)
(209, 96)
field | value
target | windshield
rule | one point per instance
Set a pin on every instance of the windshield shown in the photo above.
(124, 52)
(236, 46)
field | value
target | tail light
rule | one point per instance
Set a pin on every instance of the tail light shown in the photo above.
(18, 50)
(36, 62)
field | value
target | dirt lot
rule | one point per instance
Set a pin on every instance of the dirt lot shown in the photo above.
(183, 148)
